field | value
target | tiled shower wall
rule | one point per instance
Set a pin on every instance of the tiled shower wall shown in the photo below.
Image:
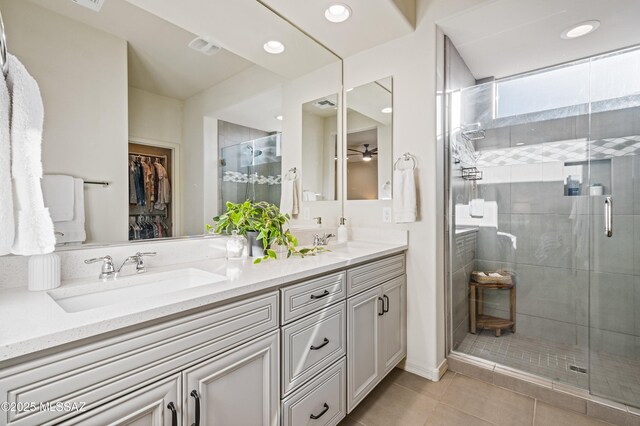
(546, 238)
(463, 253)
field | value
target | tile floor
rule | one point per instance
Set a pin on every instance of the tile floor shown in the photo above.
(612, 376)
(404, 399)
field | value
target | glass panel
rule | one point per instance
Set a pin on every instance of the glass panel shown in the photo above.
(249, 170)
(615, 260)
(519, 189)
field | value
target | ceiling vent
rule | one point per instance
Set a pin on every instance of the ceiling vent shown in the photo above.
(94, 5)
(324, 104)
(204, 45)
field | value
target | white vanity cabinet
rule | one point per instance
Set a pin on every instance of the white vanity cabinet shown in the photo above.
(376, 321)
(239, 388)
(157, 404)
(106, 369)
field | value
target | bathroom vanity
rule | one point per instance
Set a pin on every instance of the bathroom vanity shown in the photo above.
(280, 344)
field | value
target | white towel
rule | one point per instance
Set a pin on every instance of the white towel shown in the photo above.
(7, 226)
(58, 193)
(73, 230)
(404, 196)
(34, 228)
(289, 198)
(476, 208)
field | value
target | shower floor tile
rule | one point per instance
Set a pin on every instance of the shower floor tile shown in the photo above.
(547, 359)
(612, 376)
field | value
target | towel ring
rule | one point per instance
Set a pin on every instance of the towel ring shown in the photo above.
(406, 157)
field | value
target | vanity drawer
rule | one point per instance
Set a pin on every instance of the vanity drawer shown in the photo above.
(372, 274)
(102, 371)
(324, 397)
(311, 344)
(304, 298)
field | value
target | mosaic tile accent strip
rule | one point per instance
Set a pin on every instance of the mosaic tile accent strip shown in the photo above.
(573, 150)
(254, 178)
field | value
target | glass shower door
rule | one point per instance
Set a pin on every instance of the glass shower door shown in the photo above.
(614, 297)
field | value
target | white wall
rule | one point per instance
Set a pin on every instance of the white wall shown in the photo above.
(155, 117)
(411, 61)
(85, 125)
(312, 145)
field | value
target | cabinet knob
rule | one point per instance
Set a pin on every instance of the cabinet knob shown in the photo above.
(196, 396)
(385, 308)
(321, 413)
(174, 413)
(324, 343)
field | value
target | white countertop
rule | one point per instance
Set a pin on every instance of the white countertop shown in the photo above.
(33, 321)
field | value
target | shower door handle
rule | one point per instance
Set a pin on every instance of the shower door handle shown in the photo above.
(608, 217)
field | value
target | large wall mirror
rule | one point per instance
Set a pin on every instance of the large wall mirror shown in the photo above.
(166, 111)
(369, 141)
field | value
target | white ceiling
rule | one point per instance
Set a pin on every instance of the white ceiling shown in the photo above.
(258, 112)
(242, 27)
(370, 99)
(505, 37)
(372, 22)
(159, 60)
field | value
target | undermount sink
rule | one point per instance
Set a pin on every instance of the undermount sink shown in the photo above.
(351, 248)
(125, 289)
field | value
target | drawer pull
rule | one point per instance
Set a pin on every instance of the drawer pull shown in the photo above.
(325, 342)
(317, 416)
(380, 312)
(385, 309)
(174, 413)
(325, 294)
(194, 394)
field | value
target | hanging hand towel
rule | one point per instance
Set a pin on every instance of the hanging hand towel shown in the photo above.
(7, 226)
(58, 192)
(404, 196)
(34, 228)
(73, 231)
(289, 199)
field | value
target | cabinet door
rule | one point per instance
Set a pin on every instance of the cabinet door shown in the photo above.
(363, 342)
(239, 387)
(148, 406)
(393, 324)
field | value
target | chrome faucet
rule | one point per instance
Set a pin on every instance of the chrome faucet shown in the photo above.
(138, 259)
(322, 240)
(108, 270)
(318, 220)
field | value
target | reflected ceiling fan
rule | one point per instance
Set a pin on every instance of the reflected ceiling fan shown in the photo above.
(367, 154)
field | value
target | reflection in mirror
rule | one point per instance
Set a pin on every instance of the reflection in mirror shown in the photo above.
(177, 119)
(319, 149)
(369, 141)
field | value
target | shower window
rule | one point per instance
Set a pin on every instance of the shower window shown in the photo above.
(250, 165)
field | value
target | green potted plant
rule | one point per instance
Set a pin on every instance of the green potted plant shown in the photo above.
(264, 226)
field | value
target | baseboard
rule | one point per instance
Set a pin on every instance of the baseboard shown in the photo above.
(433, 374)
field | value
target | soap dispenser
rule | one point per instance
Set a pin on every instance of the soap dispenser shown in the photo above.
(343, 232)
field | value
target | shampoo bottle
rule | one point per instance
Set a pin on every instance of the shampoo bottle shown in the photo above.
(343, 232)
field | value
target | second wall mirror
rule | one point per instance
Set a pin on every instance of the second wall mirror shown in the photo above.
(369, 140)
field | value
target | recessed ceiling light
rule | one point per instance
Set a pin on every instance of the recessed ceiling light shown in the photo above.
(581, 29)
(348, 90)
(520, 144)
(387, 110)
(274, 47)
(337, 13)
(279, 117)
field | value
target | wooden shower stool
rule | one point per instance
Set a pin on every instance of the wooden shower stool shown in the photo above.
(478, 319)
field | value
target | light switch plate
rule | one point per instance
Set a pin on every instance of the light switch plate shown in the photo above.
(386, 214)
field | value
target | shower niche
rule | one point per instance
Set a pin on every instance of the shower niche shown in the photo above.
(577, 182)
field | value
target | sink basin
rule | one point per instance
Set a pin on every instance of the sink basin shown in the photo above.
(352, 248)
(83, 298)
